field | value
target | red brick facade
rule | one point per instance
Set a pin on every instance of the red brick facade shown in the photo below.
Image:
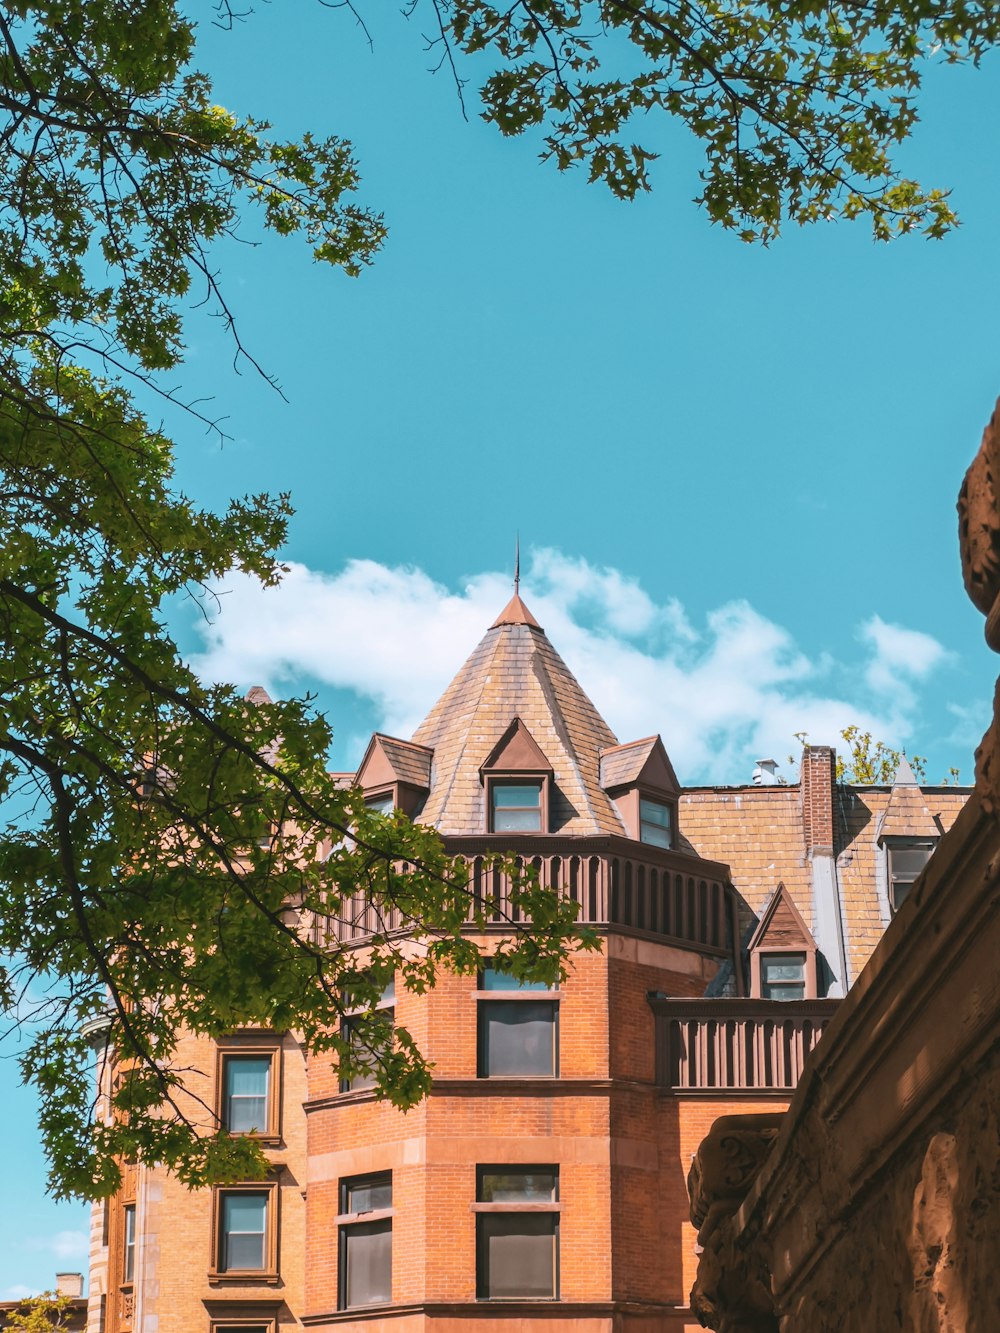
(609, 1123)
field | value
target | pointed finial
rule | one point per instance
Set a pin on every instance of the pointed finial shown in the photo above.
(517, 563)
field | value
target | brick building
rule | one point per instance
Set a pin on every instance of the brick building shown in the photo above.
(541, 1184)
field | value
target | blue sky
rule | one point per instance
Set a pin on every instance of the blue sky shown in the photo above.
(733, 469)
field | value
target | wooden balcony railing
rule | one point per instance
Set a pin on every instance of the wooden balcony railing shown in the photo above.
(670, 895)
(708, 1045)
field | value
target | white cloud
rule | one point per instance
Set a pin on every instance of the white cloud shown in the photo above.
(63, 1245)
(902, 657)
(18, 1292)
(722, 694)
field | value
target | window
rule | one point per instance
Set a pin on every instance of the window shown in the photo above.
(365, 1248)
(516, 807)
(381, 805)
(228, 1326)
(385, 1012)
(246, 1083)
(518, 1034)
(248, 1078)
(246, 1231)
(517, 1233)
(128, 1267)
(655, 823)
(906, 860)
(783, 976)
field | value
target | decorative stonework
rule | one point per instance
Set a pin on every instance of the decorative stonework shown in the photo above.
(877, 1203)
(732, 1292)
(979, 542)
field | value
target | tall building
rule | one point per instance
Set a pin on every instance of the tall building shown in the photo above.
(541, 1184)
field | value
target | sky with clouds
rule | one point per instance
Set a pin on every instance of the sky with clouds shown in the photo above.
(733, 469)
(724, 688)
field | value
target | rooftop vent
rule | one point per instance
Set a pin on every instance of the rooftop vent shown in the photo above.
(766, 773)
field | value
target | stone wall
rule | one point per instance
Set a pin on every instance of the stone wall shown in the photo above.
(876, 1205)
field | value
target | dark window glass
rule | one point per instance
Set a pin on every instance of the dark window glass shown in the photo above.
(517, 1254)
(655, 823)
(517, 1038)
(502, 1186)
(244, 1228)
(493, 979)
(366, 1247)
(905, 865)
(129, 1264)
(246, 1078)
(369, 1194)
(517, 809)
(783, 976)
(350, 1033)
(367, 1264)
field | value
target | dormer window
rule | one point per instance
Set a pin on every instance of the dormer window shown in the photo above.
(655, 823)
(383, 804)
(516, 807)
(517, 779)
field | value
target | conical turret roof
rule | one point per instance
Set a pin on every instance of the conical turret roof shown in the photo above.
(516, 673)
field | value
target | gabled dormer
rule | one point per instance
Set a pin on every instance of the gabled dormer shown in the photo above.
(395, 774)
(907, 834)
(641, 781)
(517, 777)
(782, 953)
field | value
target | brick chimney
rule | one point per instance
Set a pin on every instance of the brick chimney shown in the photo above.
(69, 1284)
(816, 777)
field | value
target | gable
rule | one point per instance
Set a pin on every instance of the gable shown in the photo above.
(781, 925)
(389, 760)
(516, 752)
(639, 763)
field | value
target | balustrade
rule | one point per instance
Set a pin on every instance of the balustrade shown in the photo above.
(657, 893)
(720, 1045)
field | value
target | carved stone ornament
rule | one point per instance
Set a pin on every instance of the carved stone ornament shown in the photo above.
(732, 1292)
(979, 542)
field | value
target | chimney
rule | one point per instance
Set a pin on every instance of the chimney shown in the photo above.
(817, 775)
(69, 1284)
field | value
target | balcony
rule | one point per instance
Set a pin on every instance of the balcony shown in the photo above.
(665, 895)
(709, 1046)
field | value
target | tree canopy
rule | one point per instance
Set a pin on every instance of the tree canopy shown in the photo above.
(800, 106)
(158, 831)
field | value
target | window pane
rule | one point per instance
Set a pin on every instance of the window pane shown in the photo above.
(654, 823)
(770, 991)
(381, 805)
(493, 979)
(907, 862)
(517, 1255)
(243, 1225)
(652, 812)
(517, 1187)
(349, 1029)
(246, 1093)
(783, 967)
(517, 821)
(528, 795)
(367, 1251)
(129, 1266)
(366, 1196)
(518, 1038)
